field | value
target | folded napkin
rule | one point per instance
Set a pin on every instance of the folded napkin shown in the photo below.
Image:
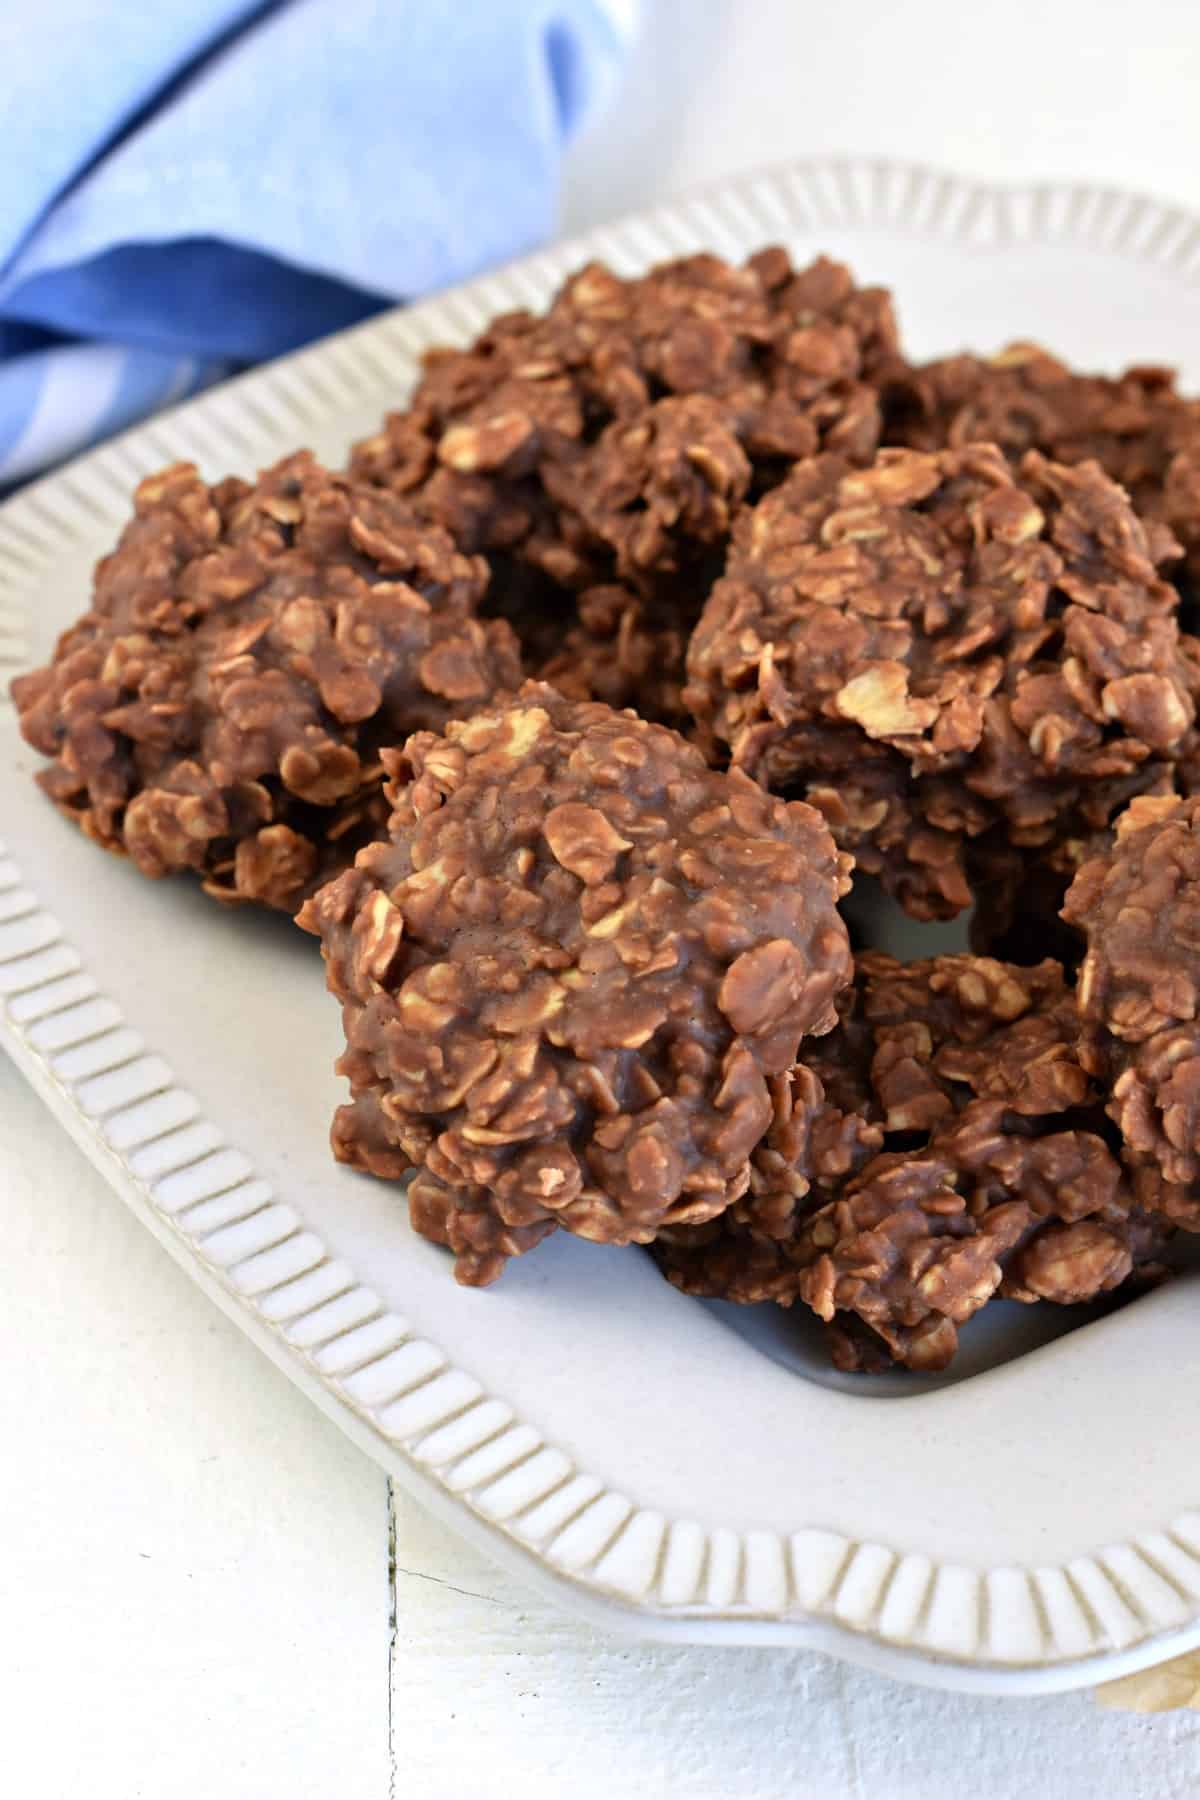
(195, 185)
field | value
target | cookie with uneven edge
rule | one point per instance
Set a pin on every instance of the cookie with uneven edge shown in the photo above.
(1138, 906)
(248, 650)
(934, 648)
(1000, 1186)
(612, 439)
(570, 975)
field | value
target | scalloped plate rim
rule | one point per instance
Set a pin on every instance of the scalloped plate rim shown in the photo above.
(603, 1605)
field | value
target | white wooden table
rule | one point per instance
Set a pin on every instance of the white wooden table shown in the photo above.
(204, 1591)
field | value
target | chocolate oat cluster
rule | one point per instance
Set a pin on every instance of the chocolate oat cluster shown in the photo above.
(1138, 904)
(1008, 1188)
(613, 439)
(248, 651)
(939, 647)
(569, 973)
(566, 719)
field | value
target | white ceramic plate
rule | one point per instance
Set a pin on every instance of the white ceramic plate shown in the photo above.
(674, 1469)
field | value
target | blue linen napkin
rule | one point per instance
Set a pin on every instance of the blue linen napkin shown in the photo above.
(195, 185)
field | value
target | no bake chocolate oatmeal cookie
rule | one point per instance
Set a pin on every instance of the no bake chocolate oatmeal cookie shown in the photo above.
(249, 649)
(1138, 904)
(937, 650)
(613, 438)
(1003, 1185)
(569, 975)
